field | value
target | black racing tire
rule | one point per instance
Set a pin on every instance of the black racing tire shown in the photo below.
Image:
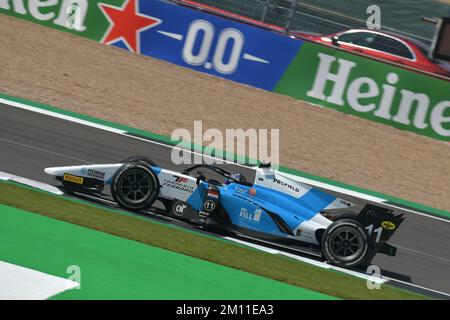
(139, 159)
(135, 186)
(345, 243)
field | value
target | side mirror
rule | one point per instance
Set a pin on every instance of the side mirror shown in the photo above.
(200, 177)
(335, 41)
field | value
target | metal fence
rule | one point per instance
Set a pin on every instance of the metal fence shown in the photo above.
(326, 16)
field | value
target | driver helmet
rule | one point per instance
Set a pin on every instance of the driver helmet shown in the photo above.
(236, 176)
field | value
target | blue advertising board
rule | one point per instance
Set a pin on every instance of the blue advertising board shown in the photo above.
(214, 45)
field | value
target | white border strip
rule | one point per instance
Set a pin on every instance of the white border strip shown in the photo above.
(32, 183)
(323, 185)
(324, 265)
(416, 212)
(20, 283)
(316, 263)
(60, 116)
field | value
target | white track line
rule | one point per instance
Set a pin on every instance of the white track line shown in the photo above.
(381, 280)
(19, 283)
(32, 183)
(422, 253)
(42, 150)
(335, 188)
(122, 132)
(416, 212)
(316, 263)
(417, 286)
(60, 116)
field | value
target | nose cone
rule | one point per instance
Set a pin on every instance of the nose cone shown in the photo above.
(51, 171)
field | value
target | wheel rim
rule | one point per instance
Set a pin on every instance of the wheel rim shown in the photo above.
(346, 243)
(135, 186)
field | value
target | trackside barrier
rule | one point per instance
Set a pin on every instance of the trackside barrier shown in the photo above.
(254, 56)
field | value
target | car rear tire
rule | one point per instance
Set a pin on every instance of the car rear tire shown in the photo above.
(345, 243)
(135, 186)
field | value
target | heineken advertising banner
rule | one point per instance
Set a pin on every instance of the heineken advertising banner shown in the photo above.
(253, 56)
(170, 32)
(374, 90)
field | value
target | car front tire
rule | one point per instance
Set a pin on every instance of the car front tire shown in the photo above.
(135, 186)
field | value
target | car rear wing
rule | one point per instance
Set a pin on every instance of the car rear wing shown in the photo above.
(380, 223)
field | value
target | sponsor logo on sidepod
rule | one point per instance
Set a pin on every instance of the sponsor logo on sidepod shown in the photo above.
(180, 183)
(93, 173)
(251, 191)
(252, 217)
(179, 209)
(287, 185)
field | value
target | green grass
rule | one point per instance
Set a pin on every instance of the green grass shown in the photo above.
(113, 267)
(196, 245)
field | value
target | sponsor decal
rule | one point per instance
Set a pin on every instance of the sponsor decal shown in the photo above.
(414, 107)
(254, 216)
(250, 191)
(287, 185)
(374, 90)
(257, 215)
(180, 35)
(178, 209)
(203, 214)
(179, 183)
(97, 174)
(388, 225)
(126, 24)
(209, 205)
(181, 179)
(346, 203)
(69, 14)
(240, 190)
(213, 194)
(74, 179)
(194, 39)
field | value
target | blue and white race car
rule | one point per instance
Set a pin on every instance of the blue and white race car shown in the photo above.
(272, 209)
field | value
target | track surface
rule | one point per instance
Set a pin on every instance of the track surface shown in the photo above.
(30, 142)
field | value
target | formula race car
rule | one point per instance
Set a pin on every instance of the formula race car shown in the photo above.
(273, 209)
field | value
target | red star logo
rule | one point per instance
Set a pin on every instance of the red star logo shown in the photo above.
(126, 23)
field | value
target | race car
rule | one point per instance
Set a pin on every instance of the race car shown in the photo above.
(273, 209)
